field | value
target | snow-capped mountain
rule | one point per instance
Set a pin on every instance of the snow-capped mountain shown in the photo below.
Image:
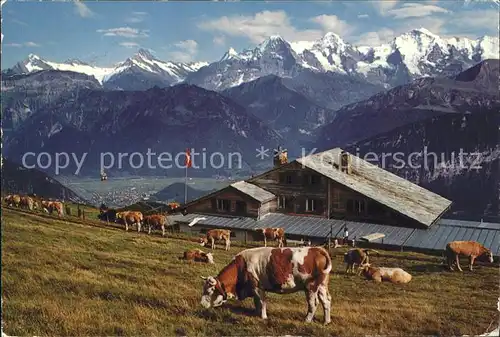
(142, 64)
(274, 56)
(415, 54)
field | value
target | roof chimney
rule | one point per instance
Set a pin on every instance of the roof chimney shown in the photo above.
(280, 157)
(345, 162)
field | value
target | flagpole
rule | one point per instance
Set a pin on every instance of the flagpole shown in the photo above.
(186, 186)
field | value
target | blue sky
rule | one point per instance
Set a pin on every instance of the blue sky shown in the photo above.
(104, 33)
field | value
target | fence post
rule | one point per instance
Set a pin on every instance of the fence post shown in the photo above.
(79, 212)
(68, 210)
(83, 214)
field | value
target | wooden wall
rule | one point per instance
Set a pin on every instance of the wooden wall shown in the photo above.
(293, 182)
(209, 205)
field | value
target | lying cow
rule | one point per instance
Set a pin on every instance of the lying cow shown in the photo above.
(28, 203)
(217, 235)
(108, 215)
(51, 206)
(253, 272)
(198, 255)
(379, 274)
(356, 256)
(471, 249)
(156, 221)
(130, 218)
(273, 234)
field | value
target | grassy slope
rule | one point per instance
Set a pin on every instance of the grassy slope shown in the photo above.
(67, 278)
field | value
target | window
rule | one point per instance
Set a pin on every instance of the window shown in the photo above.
(282, 202)
(312, 179)
(310, 205)
(356, 206)
(223, 205)
(241, 207)
(286, 178)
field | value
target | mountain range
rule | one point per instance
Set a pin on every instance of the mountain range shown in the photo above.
(417, 53)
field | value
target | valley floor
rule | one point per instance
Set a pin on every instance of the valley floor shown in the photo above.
(69, 278)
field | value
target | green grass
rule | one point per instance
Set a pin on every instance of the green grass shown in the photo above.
(66, 277)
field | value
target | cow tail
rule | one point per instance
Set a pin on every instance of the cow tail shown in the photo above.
(329, 266)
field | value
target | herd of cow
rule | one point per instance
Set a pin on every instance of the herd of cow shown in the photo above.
(32, 203)
(281, 270)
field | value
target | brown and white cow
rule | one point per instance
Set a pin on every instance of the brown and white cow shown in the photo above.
(217, 235)
(379, 274)
(130, 218)
(198, 255)
(28, 203)
(51, 206)
(274, 234)
(156, 221)
(253, 272)
(13, 200)
(470, 249)
(356, 256)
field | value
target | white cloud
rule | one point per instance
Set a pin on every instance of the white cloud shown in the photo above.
(136, 17)
(415, 10)
(377, 38)
(219, 40)
(188, 49)
(383, 6)
(259, 26)
(363, 16)
(124, 32)
(129, 44)
(82, 9)
(19, 45)
(331, 23)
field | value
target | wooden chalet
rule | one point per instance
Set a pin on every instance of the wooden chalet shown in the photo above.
(334, 185)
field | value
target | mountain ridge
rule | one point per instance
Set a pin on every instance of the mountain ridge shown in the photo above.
(414, 54)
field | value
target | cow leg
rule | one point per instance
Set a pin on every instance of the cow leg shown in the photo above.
(126, 225)
(312, 304)
(138, 227)
(259, 300)
(265, 242)
(326, 301)
(228, 243)
(471, 262)
(457, 260)
(213, 243)
(149, 229)
(162, 230)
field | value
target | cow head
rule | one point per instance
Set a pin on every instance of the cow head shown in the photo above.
(364, 268)
(487, 256)
(213, 294)
(203, 241)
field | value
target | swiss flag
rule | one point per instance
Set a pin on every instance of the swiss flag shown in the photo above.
(188, 162)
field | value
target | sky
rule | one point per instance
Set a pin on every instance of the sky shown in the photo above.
(104, 33)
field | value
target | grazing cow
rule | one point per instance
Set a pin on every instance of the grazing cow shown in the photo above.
(108, 215)
(130, 217)
(28, 203)
(276, 234)
(471, 249)
(156, 221)
(277, 270)
(358, 257)
(51, 206)
(198, 255)
(13, 200)
(379, 274)
(217, 235)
